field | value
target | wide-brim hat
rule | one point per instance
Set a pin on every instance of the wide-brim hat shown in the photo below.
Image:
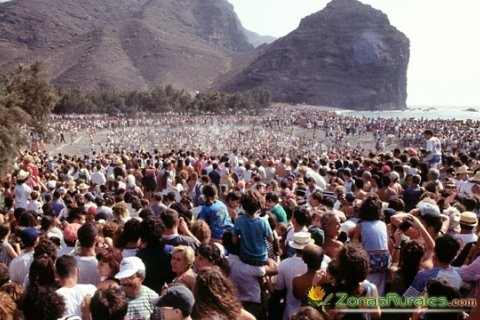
(476, 177)
(468, 218)
(83, 186)
(300, 240)
(462, 169)
(22, 175)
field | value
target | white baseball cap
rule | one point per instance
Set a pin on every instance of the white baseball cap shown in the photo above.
(129, 266)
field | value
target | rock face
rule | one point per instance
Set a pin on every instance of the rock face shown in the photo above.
(123, 43)
(347, 55)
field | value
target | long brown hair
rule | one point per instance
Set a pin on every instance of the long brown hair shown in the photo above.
(215, 295)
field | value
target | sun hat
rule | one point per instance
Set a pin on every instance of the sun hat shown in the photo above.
(130, 266)
(462, 169)
(468, 218)
(83, 186)
(300, 240)
(22, 175)
(476, 177)
(177, 297)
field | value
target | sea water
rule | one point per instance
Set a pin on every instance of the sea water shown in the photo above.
(425, 112)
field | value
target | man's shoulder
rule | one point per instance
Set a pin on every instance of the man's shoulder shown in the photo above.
(149, 292)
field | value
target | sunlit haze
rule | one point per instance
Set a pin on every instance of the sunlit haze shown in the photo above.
(444, 68)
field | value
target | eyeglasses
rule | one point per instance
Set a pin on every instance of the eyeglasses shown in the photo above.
(131, 278)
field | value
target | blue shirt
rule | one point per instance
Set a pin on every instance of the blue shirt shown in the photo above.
(217, 217)
(253, 232)
(423, 277)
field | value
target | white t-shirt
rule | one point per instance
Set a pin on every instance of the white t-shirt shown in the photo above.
(434, 146)
(22, 194)
(88, 270)
(74, 296)
(287, 270)
(99, 178)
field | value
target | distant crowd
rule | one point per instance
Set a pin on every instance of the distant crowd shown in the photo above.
(235, 217)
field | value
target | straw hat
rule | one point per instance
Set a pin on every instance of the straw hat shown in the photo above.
(83, 186)
(22, 175)
(476, 177)
(300, 240)
(468, 218)
(463, 169)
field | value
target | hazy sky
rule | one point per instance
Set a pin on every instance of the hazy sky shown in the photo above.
(444, 35)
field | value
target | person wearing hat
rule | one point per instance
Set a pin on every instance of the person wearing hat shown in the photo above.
(471, 187)
(140, 298)
(22, 190)
(461, 175)
(83, 188)
(468, 222)
(290, 268)
(20, 266)
(175, 304)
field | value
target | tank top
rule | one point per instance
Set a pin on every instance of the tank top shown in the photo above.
(374, 235)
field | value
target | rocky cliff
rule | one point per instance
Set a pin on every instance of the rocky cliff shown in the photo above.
(347, 55)
(123, 43)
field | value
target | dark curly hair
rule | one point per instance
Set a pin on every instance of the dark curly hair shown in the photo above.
(212, 253)
(47, 247)
(43, 303)
(42, 272)
(351, 267)
(306, 313)
(370, 209)
(252, 202)
(152, 229)
(410, 258)
(215, 295)
(109, 303)
(112, 256)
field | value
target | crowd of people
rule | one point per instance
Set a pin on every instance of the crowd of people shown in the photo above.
(221, 223)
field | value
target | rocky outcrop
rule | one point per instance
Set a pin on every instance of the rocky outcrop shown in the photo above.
(123, 43)
(347, 55)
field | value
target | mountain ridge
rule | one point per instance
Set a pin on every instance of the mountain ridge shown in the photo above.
(347, 55)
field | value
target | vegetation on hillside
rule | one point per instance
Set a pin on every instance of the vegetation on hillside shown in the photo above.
(26, 99)
(160, 99)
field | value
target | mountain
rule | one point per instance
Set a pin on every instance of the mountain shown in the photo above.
(256, 39)
(347, 55)
(123, 43)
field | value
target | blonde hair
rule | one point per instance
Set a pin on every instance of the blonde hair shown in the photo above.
(8, 308)
(188, 253)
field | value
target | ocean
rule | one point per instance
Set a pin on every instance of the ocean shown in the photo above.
(426, 112)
